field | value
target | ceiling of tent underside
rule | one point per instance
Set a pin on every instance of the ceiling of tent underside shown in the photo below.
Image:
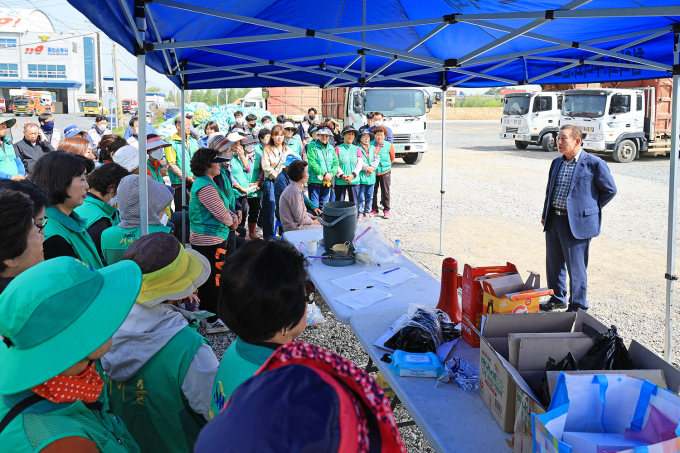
(466, 43)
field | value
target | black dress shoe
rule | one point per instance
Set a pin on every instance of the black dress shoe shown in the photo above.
(551, 305)
(575, 307)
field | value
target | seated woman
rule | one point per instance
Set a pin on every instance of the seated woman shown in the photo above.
(330, 404)
(116, 239)
(98, 209)
(21, 234)
(57, 319)
(292, 209)
(157, 346)
(264, 319)
(282, 181)
(63, 177)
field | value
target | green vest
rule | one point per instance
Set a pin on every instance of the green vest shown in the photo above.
(72, 229)
(189, 149)
(295, 146)
(94, 209)
(240, 362)
(202, 220)
(385, 164)
(239, 174)
(8, 157)
(46, 422)
(255, 168)
(156, 172)
(228, 188)
(363, 177)
(116, 240)
(321, 156)
(151, 402)
(348, 162)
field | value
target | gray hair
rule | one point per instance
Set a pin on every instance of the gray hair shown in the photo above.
(27, 125)
(575, 131)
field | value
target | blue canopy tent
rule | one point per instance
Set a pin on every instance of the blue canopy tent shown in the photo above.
(439, 43)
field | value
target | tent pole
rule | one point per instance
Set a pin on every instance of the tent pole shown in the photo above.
(441, 204)
(672, 205)
(141, 132)
(184, 173)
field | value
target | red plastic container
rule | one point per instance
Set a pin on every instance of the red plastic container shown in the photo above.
(448, 296)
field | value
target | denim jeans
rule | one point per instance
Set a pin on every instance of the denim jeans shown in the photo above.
(268, 209)
(365, 198)
(319, 194)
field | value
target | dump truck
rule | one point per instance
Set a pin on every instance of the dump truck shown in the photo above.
(625, 119)
(293, 103)
(531, 118)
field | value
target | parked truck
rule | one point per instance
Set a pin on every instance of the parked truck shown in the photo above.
(531, 118)
(128, 105)
(293, 103)
(404, 110)
(31, 102)
(624, 119)
(94, 108)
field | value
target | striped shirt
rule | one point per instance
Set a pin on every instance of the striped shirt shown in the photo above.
(211, 200)
(563, 183)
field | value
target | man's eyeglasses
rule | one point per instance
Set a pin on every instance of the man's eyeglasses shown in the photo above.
(41, 226)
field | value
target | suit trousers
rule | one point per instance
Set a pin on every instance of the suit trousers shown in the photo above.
(566, 255)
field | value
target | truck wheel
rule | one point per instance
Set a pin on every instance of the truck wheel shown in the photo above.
(548, 142)
(521, 145)
(625, 152)
(413, 158)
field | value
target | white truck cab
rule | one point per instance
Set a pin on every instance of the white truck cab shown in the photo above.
(612, 120)
(404, 110)
(531, 119)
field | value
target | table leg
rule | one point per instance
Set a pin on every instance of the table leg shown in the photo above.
(370, 366)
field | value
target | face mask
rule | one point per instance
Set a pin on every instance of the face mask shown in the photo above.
(240, 120)
(228, 155)
(113, 201)
(102, 127)
(311, 117)
(48, 126)
(377, 123)
(252, 124)
(250, 148)
(158, 153)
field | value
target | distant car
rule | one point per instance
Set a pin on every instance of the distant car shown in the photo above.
(171, 112)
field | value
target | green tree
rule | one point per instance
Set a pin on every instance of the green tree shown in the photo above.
(153, 90)
(231, 95)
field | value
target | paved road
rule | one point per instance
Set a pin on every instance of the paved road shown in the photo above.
(61, 122)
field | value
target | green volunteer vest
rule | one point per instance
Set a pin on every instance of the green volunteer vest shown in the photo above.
(240, 362)
(8, 157)
(240, 175)
(295, 146)
(189, 149)
(72, 229)
(46, 422)
(116, 240)
(385, 164)
(348, 162)
(151, 402)
(363, 177)
(322, 156)
(93, 209)
(256, 167)
(156, 173)
(202, 221)
(229, 188)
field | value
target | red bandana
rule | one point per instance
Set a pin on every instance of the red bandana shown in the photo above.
(85, 387)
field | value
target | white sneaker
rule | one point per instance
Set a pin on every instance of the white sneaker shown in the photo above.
(216, 327)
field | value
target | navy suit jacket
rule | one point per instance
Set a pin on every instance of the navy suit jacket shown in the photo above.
(592, 187)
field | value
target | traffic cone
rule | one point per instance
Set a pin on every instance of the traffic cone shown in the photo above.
(448, 296)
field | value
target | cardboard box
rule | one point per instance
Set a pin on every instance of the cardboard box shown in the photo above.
(509, 294)
(473, 298)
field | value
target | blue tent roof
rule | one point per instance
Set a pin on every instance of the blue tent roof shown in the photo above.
(549, 40)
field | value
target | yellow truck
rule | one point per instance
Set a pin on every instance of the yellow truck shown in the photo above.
(94, 108)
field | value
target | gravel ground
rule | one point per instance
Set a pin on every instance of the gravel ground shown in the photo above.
(493, 201)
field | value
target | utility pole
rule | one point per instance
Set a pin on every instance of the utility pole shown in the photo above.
(100, 79)
(116, 86)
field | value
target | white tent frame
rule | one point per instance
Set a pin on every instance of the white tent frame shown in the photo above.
(348, 76)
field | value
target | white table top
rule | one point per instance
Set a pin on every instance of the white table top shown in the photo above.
(420, 290)
(451, 419)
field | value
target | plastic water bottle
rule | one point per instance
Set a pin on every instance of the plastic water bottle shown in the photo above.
(397, 251)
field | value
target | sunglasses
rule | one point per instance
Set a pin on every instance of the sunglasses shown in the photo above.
(41, 226)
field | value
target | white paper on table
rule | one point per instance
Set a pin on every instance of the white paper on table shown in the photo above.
(356, 281)
(360, 299)
(393, 278)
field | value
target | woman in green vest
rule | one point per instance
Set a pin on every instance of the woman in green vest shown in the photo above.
(323, 165)
(262, 319)
(155, 148)
(116, 239)
(371, 159)
(350, 163)
(99, 208)
(162, 369)
(173, 156)
(213, 222)
(11, 166)
(245, 170)
(383, 174)
(57, 319)
(63, 177)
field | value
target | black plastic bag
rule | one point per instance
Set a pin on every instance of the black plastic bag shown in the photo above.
(425, 329)
(608, 352)
(566, 364)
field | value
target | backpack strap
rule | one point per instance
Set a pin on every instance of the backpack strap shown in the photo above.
(18, 409)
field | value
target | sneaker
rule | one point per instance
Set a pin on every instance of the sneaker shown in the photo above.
(372, 213)
(551, 305)
(386, 214)
(216, 327)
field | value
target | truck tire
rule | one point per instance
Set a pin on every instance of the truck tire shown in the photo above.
(413, 158)
(548, 142)
(625, 152)
(521, 145)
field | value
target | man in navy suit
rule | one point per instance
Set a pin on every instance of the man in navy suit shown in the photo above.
(580, 185)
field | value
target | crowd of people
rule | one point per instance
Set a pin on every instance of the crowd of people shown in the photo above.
(100, 348)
